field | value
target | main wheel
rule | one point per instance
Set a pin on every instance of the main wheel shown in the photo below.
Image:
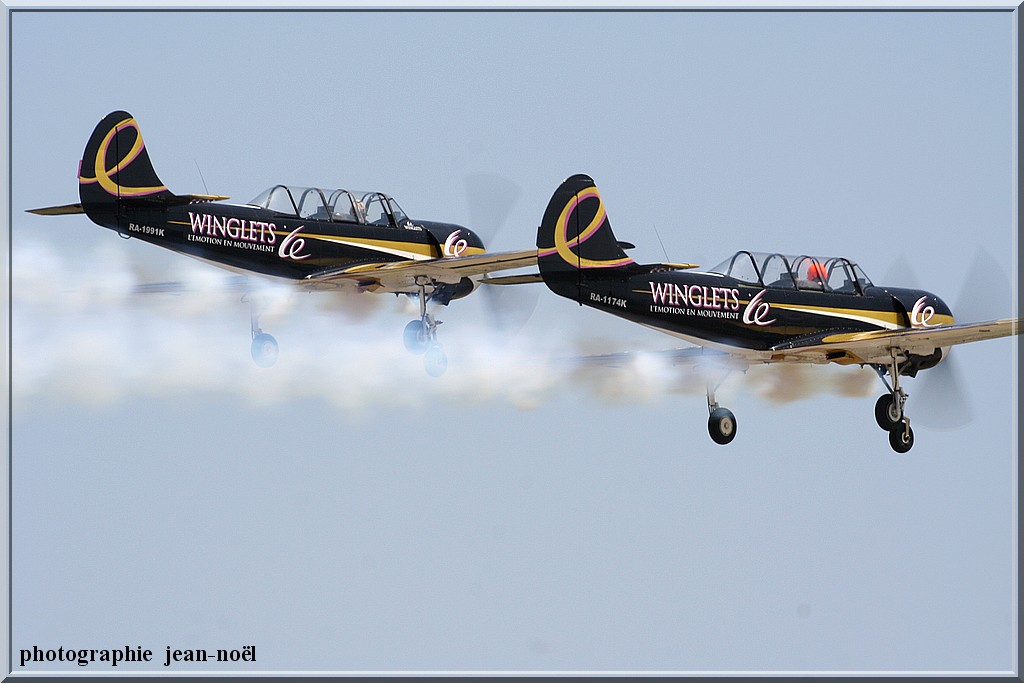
(264, 350)
(416, 336)
(886, 414)
(722, 425)
(435, 361)
(901, 437)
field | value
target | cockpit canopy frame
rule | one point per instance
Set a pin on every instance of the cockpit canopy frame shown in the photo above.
(803, 272)
(338, 206)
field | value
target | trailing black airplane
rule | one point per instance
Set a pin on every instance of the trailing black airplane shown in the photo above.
(313, 238)
(751, 308)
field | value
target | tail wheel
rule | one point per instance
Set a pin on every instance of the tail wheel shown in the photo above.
(264, 350)
(722, 425)
(886, 413)
(416, 337)
(901, 437)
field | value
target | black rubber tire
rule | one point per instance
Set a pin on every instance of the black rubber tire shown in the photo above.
(416, 338)
(722, 426)
(901, 438)
(264, 350)
(885, 411)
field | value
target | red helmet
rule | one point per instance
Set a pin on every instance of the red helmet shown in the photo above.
(816, 271)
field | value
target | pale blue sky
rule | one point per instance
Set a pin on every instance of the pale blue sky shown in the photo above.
(341, 513)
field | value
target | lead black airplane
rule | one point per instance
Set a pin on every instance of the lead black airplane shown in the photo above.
(751, 308)
(312, 238)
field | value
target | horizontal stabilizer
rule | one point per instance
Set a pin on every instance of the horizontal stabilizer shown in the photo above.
(172, 200)
(239, 283)
(513, 279)
(691, 355)
(58, 210)
(194, 198)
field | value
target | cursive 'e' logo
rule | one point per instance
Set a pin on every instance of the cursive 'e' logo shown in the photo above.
(757, 310)
(921, 314)
(292, 246)
(454, 246)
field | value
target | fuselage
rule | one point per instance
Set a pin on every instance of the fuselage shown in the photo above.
(718, 311)
(753, 304)
(261, 240)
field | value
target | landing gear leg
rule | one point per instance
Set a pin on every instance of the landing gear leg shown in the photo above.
(721, 421)
(889, 409)
(264, 347)
(420, 336)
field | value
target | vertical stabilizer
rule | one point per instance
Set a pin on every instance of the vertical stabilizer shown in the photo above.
(575, 236)
(116, 168)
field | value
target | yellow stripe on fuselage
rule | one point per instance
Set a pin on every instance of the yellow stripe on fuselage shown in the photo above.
(887, 319)
(411, 250)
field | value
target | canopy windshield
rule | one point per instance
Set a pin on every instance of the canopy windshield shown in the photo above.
(314, 203)
(812, 273)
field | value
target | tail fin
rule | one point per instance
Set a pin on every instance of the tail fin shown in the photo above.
(575, 236)
(116, 168)
(114, 171)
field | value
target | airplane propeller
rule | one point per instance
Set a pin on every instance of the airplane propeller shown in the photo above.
(941, 401)
(491, 198)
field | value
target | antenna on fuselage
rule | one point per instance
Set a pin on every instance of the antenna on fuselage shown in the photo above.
(658, 235)
(205, 188)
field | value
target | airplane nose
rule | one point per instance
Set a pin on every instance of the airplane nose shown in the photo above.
(474, 239)
(943, 308)
(925, 309)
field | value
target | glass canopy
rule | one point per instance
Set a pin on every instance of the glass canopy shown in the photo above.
(314, 203)
(813, 273)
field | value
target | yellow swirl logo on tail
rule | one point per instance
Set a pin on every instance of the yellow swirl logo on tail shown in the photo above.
(564, 246)
(103, 174)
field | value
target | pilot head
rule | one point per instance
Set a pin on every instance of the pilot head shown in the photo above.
(816, 271)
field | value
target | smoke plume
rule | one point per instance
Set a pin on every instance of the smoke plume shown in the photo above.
(91, 329)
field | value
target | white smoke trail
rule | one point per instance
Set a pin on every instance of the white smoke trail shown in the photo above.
(82, 333)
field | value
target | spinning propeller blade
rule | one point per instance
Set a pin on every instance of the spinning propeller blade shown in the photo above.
(941, 401)
(985, 293)
(491, 198)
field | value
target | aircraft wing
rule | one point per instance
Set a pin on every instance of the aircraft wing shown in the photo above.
(401, 276)
(844, 347)
(876, 346)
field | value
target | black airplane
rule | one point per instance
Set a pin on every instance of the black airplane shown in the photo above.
(312, 238)
(751, 308)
